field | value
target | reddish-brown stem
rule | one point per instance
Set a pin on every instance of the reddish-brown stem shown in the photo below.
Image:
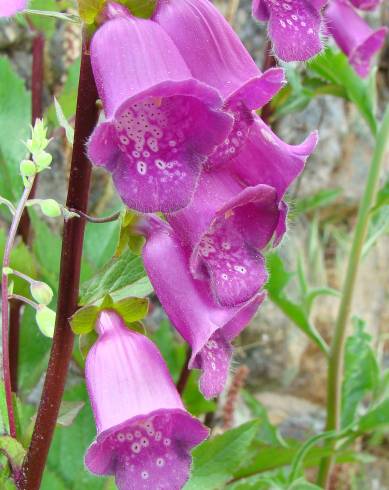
(269, 62)
(73, 236)
(185, 373)
(37, 77)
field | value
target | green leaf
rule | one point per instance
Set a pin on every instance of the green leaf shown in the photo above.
(319, 200)
(375, 418)
(140, 8)
(45, 12)
(361, 372)
(83, 321)
(334, 67)
(278, 280)
(302, 484)
(215, 460)
(89, 9)
(125, 273)
(193, 399)
(378, 225)
(63, 122)
(45, 318)
(132, 309)
(382, 197)
(85, 343)
(14, 451)
(4, 426)
(68, 412)
(15, 116)
(267, 433)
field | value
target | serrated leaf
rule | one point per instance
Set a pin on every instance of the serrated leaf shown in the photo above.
(83, 321)
(15, 116)
(122, 273)
(361, 372)
(215, 460)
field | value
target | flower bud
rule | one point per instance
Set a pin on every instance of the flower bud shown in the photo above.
(27, 168)
(45, 319)
(41, 292)
(50, 208)
(42, 160)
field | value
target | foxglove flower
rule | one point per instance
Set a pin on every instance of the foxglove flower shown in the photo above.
(144, 432)
(216, 56)
(207, 327)
(8, 8)
(353, 35)
(266, 159)
(161, 123)
(226, 226)
(294, 26)
(365, 4)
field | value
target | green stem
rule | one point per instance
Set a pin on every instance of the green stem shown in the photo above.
(335, 369)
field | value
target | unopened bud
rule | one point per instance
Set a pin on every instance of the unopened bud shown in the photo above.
(42, 160)
(27, 168)
(41, 292)
(45, 319)
(50, 208)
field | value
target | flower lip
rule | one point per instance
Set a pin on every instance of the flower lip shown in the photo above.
(147, 451)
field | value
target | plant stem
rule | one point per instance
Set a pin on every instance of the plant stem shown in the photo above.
(92, 219)
(335, 368)
(4, 304)
(185, 373)
(73, 236)
(37, 77)
(269, 62)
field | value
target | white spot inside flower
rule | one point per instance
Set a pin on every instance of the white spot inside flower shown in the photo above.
(142, 168)
(240, 268)
(136, 448)
(213, 365)
(158, 435)
(160, 462)
(145, 475)
(224, 277)
(129, 437)
(282, 23)
(167, 442)
(226, 245)
(137, 434)
(310, 31)
(172, 143)
(160, 164)
(121, 437)
(136, 154)
(144, 441)
(124, 140)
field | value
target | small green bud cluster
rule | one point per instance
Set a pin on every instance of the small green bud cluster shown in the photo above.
(41, 159)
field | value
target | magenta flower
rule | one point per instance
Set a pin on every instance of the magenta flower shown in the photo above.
(161, 123)
(8, 8)
(353, 35)
(294, 26)
(144, 432)
(207, 327)
(365, 4)
(216, 56)
(226, 226)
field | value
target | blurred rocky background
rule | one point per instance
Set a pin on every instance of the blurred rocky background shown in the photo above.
(287, 373)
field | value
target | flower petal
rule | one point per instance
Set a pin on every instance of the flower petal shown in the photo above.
(214, 53)
(354, 36)
(266, 159)
(8, 8)
(294, 27)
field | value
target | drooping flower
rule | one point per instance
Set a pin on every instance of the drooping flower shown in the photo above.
(215, 55)
(353, 35)
(144, 432)
(294, 26)
(8, 8)
(226, 226)
(207, 327)
(267, 159)
(161, 122)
